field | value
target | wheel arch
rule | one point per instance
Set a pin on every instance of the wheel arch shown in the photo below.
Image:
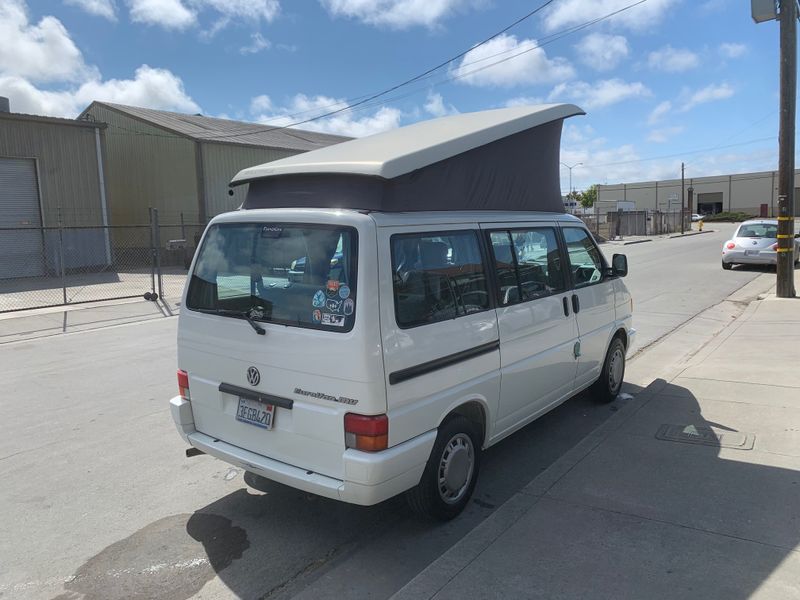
(476, 410)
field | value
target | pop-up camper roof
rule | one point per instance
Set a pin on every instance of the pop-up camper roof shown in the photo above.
(504, 159)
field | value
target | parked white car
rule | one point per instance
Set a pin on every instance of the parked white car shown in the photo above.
(359, 354)
(755, 243)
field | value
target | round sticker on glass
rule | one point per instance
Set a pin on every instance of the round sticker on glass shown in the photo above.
(316, 316)
(344, 291)
(348, 307)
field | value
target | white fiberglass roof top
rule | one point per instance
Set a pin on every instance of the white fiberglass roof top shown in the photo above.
(400, 151)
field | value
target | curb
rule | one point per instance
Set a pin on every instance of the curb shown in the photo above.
(636, 242)
(692, 233)
(440, 572)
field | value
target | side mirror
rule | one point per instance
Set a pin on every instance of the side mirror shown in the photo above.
(619, 265)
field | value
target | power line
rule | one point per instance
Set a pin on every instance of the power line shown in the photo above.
(553, 37)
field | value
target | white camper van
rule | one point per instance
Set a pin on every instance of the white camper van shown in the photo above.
(381, 311)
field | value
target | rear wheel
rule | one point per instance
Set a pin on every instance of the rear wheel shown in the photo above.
(608, 385)
(727, 266)
(451, 472)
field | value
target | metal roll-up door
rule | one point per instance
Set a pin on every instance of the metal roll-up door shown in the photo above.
(21, 250)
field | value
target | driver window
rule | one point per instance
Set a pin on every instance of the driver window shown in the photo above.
(586, 262)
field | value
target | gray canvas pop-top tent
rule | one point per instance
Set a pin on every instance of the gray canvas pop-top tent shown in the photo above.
(504, 159)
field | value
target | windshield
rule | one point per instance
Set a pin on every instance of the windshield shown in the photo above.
(292, 274)
(758, 230)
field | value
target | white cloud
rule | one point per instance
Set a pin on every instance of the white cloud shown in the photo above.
(99, 8)
(673, 60)
(662, 135)
(258, 44)
(598, 94)
(182, 14)
(526, 64)
(523, 101)
(710, 93)
(732, 50)
(659, 111)
(41, 52)
(151, 88)
(602, 52)
(398, 14)
(169, 14)
(348, 123)
(260, 104)
(435, 106)
(567, 13)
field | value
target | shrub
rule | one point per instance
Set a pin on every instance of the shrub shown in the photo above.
(728, 216)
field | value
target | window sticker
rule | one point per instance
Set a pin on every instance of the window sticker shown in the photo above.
(271, 231)
(332, 288)
(344, 291)
(319, 299)
(333, 320)
(333, 305)
(348, 307)
(316, 316)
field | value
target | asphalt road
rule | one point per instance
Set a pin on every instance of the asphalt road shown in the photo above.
(98, 501)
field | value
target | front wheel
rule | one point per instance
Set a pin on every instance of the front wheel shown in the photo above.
(608, 385)
(451, 472)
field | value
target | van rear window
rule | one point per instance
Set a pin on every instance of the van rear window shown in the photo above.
(291, 274)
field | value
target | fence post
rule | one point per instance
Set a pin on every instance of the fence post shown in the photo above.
(183, 228)
(61, 256)
(152, 253)
(157, 228)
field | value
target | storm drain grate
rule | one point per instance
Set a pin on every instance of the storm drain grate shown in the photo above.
(706, 436)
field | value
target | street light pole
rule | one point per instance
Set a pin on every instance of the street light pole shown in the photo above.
(570, 173)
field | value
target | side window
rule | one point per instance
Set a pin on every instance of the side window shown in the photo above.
(528, 264)
(437, 276)
(585, 260)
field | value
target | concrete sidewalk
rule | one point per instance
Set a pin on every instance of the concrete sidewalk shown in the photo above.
(691, 490)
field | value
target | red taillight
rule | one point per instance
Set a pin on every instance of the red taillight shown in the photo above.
(183, 384)
(367, 433)
(730, 245)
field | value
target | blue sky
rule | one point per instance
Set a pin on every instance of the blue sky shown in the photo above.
(661, 82)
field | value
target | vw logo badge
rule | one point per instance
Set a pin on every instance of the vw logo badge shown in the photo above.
(253, 376)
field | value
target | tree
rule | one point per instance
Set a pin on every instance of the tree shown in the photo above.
(589, 197)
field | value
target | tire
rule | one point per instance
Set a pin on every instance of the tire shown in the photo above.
(727, 266)
(608, 385)
(458, 449)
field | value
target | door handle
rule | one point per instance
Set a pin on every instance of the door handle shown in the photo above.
(566, 306)
(576, 304)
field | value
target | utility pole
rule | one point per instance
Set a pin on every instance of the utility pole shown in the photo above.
(767, 10)
(682, 194)
(788, 74)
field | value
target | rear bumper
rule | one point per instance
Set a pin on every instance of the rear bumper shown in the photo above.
(738, 257)
(370, 478)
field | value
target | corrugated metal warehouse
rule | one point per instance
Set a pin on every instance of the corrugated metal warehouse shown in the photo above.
(181, 163)
(750, 193)
(50, 170)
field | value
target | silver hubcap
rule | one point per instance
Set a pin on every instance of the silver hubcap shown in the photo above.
(616, 369)
(455, 468)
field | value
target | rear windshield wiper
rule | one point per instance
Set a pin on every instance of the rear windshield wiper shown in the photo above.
(241, 314)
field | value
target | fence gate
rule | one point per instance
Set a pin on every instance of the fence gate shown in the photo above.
(52, 266)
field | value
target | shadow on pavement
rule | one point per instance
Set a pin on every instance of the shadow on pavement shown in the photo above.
(641, 517)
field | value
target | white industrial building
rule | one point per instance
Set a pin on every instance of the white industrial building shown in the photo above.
(755, 194)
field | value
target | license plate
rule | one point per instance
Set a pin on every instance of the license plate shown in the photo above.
(255, 413)
(751, 252)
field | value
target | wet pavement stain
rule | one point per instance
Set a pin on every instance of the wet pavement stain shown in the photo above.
(170, 559)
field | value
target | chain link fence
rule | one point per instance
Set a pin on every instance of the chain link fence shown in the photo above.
(52, 266)
(612, 224)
